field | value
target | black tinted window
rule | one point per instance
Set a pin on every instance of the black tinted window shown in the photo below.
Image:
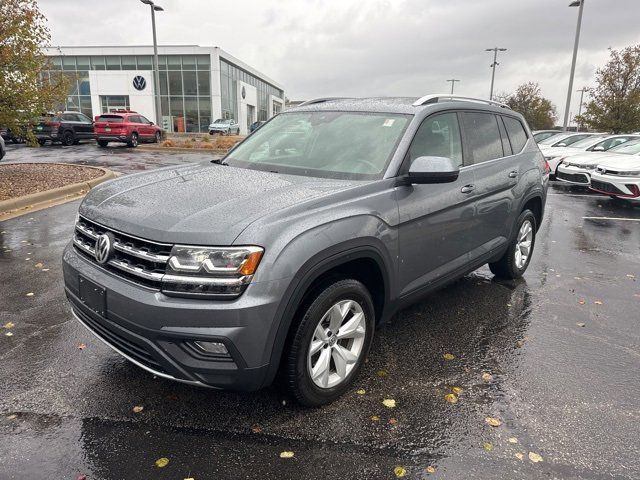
(483, 135)
(69, 117)
(134, 119)
(438, 136)
(517, 134)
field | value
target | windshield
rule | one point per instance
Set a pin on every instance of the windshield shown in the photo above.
(553, 139)
(222, 120)
(629, 148)
(346, 145)
(587, 142)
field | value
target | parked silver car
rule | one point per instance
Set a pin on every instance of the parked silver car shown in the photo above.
(224, 126)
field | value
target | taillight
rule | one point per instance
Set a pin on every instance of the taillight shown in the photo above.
(54, 124)
(547, 167)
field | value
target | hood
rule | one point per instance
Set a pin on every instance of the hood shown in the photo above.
(621, 162)
(590, 158)
(560, 151)
(206, 203)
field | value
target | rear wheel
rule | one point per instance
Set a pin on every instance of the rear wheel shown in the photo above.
(68, 138)
(103, 143)
(133, 141)
(330, 342)
(517, 257)
(41, 141)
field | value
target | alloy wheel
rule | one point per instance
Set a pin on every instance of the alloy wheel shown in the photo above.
(337, 344)
(523, 244)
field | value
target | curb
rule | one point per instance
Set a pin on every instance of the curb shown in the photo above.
(39, 200)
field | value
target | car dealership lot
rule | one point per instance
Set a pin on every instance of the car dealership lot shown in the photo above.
(561, 347)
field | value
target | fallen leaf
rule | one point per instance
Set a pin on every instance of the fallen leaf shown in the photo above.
(30, 294)
(494, 422)
(399, 471)
(138, 409)
(519, 456)
(630, 276)
(375, 418)
(451, 398)
(456, 390)
(580, 324)
(9, 325)
(448, 356)
(520, 343)
(513, 440)
(362, 391)
(392, 421)
(381, 373)
(9, 334)
(598, 302)
(81, 477)
(534, 457)
(81, 346)
(38, 265)
(487, 446)
(389, 403)
(190, 478)
(430, 469)
(487, 377)
(12, 417)
(45, 269)
(581, 301)
(162, 462)
(27, 258)
(286, 454)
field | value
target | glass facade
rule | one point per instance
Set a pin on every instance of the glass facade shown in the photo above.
(185, 85)
(229, 75)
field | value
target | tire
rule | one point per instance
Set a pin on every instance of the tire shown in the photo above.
(41, 142)
(509, 266)
(158, 137)
(68, 138)
(353, 298)
(133, 140)
(102, 143)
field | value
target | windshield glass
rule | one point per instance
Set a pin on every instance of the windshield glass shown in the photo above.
(570, 140)
(346, 145)
(629, 148)
(587, 142)
(221, 120)
(553, 139)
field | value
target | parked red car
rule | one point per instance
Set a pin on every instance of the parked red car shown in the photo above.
(125, 126)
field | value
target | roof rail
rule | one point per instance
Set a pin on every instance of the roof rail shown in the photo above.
(322, 100)
(435, 98)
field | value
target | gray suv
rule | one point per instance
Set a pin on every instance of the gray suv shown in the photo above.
(281, 258)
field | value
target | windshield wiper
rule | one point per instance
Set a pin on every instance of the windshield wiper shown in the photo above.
(219, 161)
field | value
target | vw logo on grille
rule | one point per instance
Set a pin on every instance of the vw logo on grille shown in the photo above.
(104, 244)
(139, 82)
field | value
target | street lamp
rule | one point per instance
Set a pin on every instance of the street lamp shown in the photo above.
(495, 63)
(453, 82)
(581, 90)
(576, 3)
(156, 74)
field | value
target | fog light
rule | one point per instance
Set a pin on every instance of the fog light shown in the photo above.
(213, 348)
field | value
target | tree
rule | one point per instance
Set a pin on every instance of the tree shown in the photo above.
(26, 88)
(615, 100)
(527, 100)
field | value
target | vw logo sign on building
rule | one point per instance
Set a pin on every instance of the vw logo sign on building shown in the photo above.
(139, 83)
(243, 92)
(103, 248)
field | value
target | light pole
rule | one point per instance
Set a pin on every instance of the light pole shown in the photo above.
(453, 82)
(581, 90)
(156, 74)
(576, 3)
(495, 63)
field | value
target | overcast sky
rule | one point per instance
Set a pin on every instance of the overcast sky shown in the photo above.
(372, 47)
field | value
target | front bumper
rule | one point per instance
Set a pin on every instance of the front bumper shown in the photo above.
(157, 332)
(623, 187)
(573, 175)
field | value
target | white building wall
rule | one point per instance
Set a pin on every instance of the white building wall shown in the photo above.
(245, 119)
(270, 109)
(120, 82)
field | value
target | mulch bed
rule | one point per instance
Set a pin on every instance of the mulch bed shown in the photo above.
(18, 179)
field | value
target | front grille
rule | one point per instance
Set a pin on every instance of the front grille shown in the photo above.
(605, 187)
(140, 261)
(135, 350)
(573, 177)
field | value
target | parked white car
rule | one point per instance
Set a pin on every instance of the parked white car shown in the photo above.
(618, 178)
(224, 126)
(577, 169)
(594, 143)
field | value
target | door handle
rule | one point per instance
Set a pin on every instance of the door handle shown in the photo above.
(513, 174)
(468, 188)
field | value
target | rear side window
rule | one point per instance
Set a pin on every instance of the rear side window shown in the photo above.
(438, 136)
(516, 132)
(483, 135)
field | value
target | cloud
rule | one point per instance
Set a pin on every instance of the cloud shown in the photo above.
(372, 47)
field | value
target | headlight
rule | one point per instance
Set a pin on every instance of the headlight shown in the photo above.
(215, 271)
(629, 174)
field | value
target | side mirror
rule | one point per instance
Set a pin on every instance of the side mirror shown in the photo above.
(561, 144)
(433, 170)
(599, 148)
(151, 123)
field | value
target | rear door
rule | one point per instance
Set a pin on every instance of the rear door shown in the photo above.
(496, 173)
(436, 220)
(85, 126)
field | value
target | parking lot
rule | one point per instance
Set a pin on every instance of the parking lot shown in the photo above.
(555, 356)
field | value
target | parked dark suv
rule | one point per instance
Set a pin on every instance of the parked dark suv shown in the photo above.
(285, 255)
(67, 128)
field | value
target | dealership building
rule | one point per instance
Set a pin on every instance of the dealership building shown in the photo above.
(197, 84)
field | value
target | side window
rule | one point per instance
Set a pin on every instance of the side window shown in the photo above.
(143, 119)
(506, 146)
(483, 136)
(438, 136)
(69, 117)
(517, 133)
(134, 119)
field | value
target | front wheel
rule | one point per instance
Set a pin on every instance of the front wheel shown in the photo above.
(103, 143)
(330, 342)
(133, 141)
(68, 138)
(517, 257)
(158, 137)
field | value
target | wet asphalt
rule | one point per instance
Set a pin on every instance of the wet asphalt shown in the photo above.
(561, 346)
